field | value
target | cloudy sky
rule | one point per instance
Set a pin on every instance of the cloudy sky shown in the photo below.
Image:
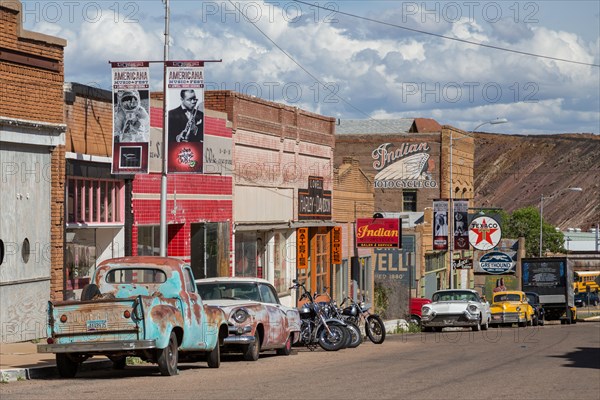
(536, 63)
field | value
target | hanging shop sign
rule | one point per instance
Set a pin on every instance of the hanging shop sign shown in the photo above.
(336, 245)
(302, 248)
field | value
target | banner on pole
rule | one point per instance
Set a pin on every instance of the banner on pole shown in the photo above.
(461, 226)
(440, 225)
(184, 100)
(131, 117)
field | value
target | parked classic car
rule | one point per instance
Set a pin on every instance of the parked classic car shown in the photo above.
(583, 299)
(414, 307)
(455, 308)
(511, 307)
(143, 306)
(257, 319)
(538, 311)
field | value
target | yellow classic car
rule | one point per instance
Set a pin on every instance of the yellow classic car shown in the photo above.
(511, 307)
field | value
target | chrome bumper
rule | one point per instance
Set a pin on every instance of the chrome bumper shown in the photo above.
(236, 336)
(97, 347)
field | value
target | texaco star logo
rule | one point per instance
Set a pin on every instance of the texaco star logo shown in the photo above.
(484, 233)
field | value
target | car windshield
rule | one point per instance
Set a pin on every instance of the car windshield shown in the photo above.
(507, 297)
(455, 296)
(229, 290)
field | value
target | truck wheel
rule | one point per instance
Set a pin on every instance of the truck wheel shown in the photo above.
(213, 357)
(168, 357)
(89, 291)
(252, 351)
(119, 362)
(67, 367)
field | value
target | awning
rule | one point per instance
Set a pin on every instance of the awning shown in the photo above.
(247, 227)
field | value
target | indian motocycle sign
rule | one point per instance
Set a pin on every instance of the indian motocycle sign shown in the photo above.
(484, 233)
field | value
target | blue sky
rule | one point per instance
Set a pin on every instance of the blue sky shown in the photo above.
(357, 61)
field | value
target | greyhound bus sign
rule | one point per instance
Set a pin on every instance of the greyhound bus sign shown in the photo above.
(484, 233)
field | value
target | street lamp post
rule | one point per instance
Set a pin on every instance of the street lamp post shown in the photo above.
(572, 189)
(451, 194)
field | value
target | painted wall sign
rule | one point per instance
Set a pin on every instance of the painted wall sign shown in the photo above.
(396, 264)
(484, 233)
(497, 262)
(403, 167)
(314, 202)
(378, 232)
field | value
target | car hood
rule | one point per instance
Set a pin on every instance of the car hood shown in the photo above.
(227, 304)
(451, 306)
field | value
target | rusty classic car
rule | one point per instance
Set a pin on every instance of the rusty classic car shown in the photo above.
(257, 319)
(147, 307)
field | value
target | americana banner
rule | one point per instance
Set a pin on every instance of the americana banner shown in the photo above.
(379, 232)
(184, 101)
(461, 225)
(440, 225)
(131, 117)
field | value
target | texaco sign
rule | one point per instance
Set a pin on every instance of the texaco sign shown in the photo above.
(484, 233)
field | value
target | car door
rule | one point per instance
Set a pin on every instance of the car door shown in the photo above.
(193, 316)
(277, 315)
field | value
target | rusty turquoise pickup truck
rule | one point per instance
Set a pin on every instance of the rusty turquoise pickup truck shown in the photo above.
(145, 306)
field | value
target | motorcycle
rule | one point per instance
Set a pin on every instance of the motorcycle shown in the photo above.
(356, 313)
(331, 310)
(315, 327)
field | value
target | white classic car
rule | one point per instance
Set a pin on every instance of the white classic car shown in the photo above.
(455, 308)
(257, 320)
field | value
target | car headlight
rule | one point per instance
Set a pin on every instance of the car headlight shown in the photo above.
(425, 310)
(472, 308)
(240, 315)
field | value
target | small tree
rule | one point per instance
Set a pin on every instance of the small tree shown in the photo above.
(525, 222)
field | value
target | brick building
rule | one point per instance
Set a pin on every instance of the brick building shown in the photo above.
(32, 165)
(283, 159)
(408, 162)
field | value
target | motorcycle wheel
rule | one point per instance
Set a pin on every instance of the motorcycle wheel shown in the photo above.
(333, 341)
(375, 329)
(355, 335)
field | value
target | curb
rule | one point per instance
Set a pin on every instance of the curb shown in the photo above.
(49, 371)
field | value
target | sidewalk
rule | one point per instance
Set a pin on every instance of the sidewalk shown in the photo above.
(20, 361)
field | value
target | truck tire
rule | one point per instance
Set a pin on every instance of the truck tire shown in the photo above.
(213, 357)
(67, 367)
(89, 291)
(168, 357)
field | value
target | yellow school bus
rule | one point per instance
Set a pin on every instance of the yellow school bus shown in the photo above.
(584, 279)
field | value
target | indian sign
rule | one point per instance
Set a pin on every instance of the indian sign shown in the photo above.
(378, 232)
(408, 166)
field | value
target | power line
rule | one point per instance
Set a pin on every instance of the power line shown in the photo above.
(489, 46)
(298, 64)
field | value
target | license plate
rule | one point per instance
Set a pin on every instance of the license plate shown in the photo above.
(96, 325)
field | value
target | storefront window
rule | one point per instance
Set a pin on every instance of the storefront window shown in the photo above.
(148, 240)
(80, 257)
(280, 280)
(246, 254)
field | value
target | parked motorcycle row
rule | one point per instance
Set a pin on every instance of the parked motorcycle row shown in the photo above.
(333, 327)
